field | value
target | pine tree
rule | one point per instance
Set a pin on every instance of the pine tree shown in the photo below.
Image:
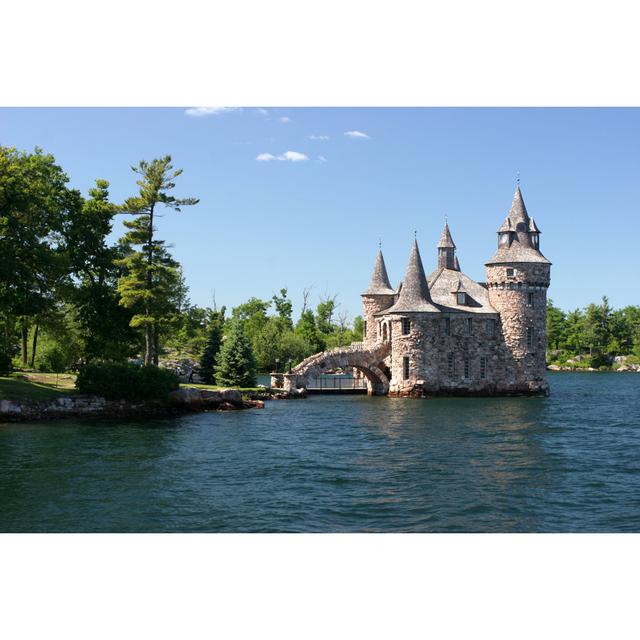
(209, 358)
(236, 363)
(150, 271)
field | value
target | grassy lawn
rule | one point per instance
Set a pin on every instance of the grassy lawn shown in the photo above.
(36, 386)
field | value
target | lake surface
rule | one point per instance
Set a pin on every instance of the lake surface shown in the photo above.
(570, 462)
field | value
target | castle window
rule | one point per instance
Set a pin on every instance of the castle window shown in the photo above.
(530, 299)
(483, 368)
(468, 326)
(462, 298)
(491, 327)
(405, 367)
(467, 369)
(511, 273)
(406, 326)
(447, 326)
(451, 365)
(530, 338)
(364, 329)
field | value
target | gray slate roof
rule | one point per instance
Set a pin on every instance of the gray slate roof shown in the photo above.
(445, 239)
(379, 284)
(521, 249)
(445, 283)
(414, 295)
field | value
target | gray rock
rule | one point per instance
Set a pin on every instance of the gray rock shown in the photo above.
(231, 395)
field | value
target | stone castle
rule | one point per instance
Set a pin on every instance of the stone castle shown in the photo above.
(447, 334)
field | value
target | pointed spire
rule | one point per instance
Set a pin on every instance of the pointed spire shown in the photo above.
(446, 250)
(446, 241)
(518, 211)
(414, 295)
(379, 284)
(518, 237)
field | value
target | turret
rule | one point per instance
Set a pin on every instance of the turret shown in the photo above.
(378, 296)
(517, 279)
(447, 251)
(414, 294)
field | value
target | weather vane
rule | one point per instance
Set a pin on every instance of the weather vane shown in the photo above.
(380, 243)
(518, 179)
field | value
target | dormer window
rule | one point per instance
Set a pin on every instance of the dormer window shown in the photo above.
(511, 273)
(461, 297)
(504, 238)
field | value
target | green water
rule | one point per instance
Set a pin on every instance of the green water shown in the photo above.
(570, 462)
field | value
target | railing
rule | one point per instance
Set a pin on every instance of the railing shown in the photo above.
(329, 382)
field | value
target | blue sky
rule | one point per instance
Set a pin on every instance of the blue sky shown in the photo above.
(296, 197)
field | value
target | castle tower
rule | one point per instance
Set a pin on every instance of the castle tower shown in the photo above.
(517, 279)
(414, 294)
(447, 251)
(378, 296)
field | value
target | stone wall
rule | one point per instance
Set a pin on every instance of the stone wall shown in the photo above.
(521, 299)
(373, 304)
(429, 347)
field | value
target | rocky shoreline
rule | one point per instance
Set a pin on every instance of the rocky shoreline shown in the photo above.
(181, 401)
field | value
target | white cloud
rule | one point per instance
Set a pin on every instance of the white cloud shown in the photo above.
(263, 112)
(356, 134)
(293, 156)
(285, 119)
(287, 156)
(198, 112)
(321, 159)
(315, 137)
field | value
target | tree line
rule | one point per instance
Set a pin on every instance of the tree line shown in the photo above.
(69, 296)
(593, 336)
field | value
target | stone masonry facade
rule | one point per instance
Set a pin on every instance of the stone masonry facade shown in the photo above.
(450, 335)
(445, 334)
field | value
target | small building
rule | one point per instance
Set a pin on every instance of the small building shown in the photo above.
(448, 334)
(445, 334)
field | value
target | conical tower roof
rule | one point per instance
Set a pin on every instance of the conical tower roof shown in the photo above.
(414, 295)
(446, 241)
(521, 248)
(379, 284)
(518, 211)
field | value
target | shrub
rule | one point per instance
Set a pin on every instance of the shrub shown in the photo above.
(53, 360)
(126, 381)
(6, 364)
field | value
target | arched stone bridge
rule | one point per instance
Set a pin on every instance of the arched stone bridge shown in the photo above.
(368, 360)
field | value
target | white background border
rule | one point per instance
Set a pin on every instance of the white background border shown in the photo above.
(318, 53)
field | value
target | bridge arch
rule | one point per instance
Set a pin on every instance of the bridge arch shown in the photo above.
(367, 360)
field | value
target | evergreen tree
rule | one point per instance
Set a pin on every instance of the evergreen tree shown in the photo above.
(209, 358)
(236, 363)
(150, 273)
(556, 326)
